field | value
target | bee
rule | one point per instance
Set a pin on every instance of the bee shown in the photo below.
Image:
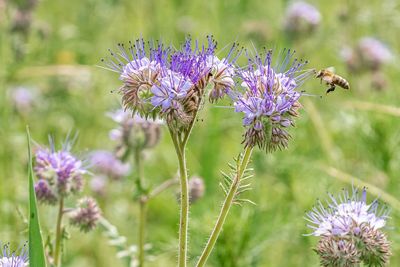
(332, 79)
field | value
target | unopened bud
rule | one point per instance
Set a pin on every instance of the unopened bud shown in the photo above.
(86, 214)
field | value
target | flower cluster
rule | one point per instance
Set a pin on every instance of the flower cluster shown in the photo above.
(179, 80)
(349, 229)
(59, 172)
(161, 81)
(301, 17)
(10, 258)
(270, 99)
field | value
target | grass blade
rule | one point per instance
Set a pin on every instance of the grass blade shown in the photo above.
(36, 251)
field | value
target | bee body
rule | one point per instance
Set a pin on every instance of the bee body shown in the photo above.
(332, 79)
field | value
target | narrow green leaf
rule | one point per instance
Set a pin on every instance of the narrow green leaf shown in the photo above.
(36, 251)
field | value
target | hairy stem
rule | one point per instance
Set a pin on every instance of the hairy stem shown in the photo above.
(57, 250)
(225, 209)
(184, 216)
(142, 206)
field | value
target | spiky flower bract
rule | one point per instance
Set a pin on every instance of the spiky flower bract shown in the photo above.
(269, 100)
(10, 258)
(60, 173)
(350, 230)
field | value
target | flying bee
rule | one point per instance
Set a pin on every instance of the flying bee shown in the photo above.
(332, 79)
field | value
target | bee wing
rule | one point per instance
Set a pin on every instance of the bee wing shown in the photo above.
(331, 69)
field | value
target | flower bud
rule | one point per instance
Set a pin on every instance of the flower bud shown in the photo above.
(335, 252)
(86, 215)
(196, 188)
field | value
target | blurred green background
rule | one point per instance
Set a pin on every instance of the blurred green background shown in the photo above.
(340, 138)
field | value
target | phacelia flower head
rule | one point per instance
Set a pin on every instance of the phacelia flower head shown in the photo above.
(346, 214)
(105, 162)
(182, 86)
(59, 172)
(373, 52)
(165, 82)
(10, 258)
(139, 66)
(269, 102)
(86, 215)
(301, 17)
(350, 230)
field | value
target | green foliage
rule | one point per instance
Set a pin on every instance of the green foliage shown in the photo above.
(36, 251)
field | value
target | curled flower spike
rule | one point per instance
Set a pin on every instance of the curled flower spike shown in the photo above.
(10, 258)
(60, 174)
(350, 230)
(270, 99)
(139, 66)
(86, 215)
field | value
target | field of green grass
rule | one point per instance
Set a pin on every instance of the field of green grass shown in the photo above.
(344, 138)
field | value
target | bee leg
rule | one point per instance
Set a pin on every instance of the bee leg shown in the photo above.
(331, 89)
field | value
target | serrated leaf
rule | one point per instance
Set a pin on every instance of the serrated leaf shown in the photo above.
(36, 251)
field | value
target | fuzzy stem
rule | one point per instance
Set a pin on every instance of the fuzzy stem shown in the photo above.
(142, 206)
(57, 250)
(184, 198)
(225, 208)
(184, 216)
(142, 231)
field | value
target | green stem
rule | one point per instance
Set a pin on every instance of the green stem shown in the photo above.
(57, 250)
(142, 206)
(184, 216)
(225, 208)
(142, 231)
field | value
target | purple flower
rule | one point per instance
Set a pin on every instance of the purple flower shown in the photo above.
(346, 215)
(373, 52)
(105, 162)
(270, 99)
(173, 88)
(10, 258)
(23, 99)
(302, 17)
(59, 173)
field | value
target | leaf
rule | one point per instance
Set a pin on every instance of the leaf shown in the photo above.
(36, 251)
